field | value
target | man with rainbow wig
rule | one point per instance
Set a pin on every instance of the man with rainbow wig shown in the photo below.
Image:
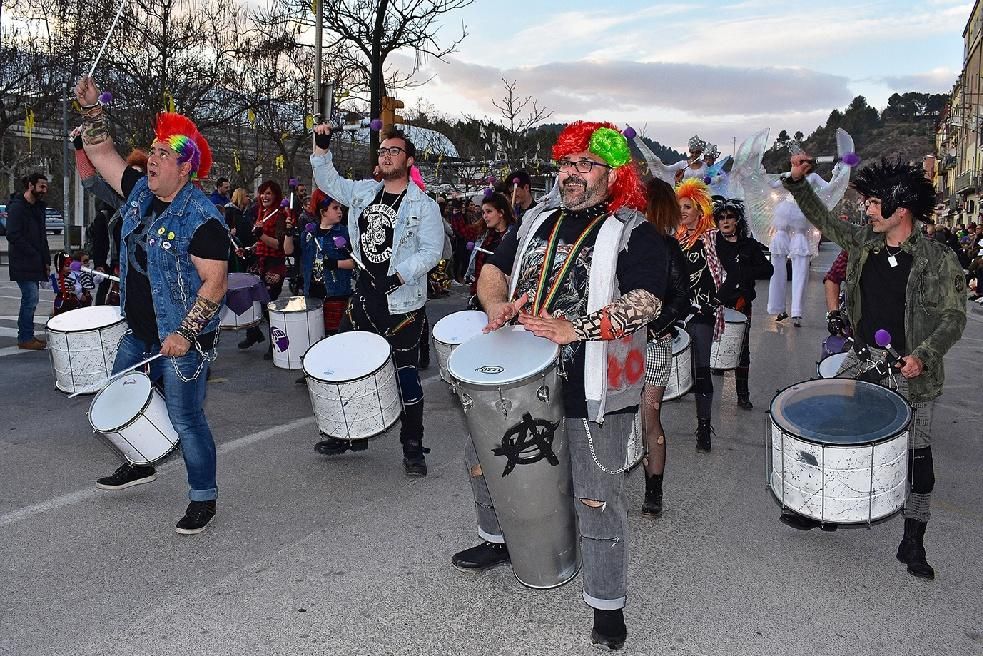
(174, 252)
(586, 271)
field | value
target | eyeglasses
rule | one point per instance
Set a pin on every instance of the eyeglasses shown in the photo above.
(391, 151)
(581, 165)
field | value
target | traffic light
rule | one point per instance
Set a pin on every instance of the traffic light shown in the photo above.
(389, 115)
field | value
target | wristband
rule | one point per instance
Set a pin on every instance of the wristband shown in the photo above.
(186, 334)
(198, 317)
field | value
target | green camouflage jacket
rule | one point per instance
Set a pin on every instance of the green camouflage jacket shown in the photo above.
(935, 301)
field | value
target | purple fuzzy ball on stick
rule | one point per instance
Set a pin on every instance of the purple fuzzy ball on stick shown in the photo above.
(375, 125)
(284, 202)
(470, 245)
(629, 132)
(105, 98)
(851, 159)
(340, 242)
(310, 227)
(883, 338)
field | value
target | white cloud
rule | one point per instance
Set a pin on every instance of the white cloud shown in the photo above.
(938, 80)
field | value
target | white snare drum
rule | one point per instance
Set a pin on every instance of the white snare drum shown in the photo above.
(726, 353)
(353, 387)
(838, 450)
(295, 324)
(132, 416)
(509, 385)
(452, 331)
(82, 345)
(829, 366)
(232, 321)
(681, 375)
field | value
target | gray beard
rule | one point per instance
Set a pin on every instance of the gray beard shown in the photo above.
(576, 197)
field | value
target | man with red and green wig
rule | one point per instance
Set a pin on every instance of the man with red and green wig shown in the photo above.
(174, 252)
(587, 272)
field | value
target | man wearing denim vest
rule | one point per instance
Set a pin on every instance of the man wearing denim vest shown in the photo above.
(396, 236)
(173, 271)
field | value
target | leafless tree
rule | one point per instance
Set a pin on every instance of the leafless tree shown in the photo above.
(517, 114)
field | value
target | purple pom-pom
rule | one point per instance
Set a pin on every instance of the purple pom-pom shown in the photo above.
(629, 132)
(470, 245)
(339, 241)
(488, 193)
(851, 159)
(105, 98)
(515, 181)
(490, 179)
(883, 338)
(292, 182)
(310, 227)
(284, 203)
(75, 266)
(375, 124)
(706, 179)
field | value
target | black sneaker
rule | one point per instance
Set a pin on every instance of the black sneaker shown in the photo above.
(332, 446)
(797, 322)
(781, 316)
(127, 476)
(415, 466)
(484, 556)
(803, 523)
(196, 517)
(609, 630)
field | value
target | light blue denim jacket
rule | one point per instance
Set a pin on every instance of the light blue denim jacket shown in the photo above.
(418, 236)
(174, 280)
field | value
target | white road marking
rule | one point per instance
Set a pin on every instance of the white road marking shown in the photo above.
(78, 496)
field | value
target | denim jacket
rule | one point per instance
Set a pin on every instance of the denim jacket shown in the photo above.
(935, 299)
(337, 282)
(174, 281)
(418, 236)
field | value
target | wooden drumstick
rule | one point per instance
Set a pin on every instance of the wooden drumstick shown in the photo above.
(120, 373)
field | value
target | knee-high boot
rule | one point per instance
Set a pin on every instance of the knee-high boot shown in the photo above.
(911, 551)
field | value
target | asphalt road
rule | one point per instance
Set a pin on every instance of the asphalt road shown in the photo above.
(348, 556)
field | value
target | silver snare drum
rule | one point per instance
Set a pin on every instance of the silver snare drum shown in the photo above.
(508, 382)
(838, 450)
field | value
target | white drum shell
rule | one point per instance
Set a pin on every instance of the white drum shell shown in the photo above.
(681, 375)
(302, 321)
(147, 436)
(361, 407)
(725, 353)
(452, 331)
(232, 321)
(839, 484)
(82, 359)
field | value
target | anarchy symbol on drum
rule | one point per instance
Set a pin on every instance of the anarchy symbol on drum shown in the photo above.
(529, 441)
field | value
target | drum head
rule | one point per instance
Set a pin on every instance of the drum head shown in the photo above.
(295, 304)
(346, 356)
(830, 365)
(459, 327)
(680, 342)
(120, 401)
(733, 316)
(243, 280)
(504, 356)
(87, 318)
(840, 411)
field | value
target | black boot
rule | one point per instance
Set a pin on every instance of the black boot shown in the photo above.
(743, 394)
(609, 630)
(253, 336)
(411, 437)
(911, 551)
(703, 433)
(652, 505)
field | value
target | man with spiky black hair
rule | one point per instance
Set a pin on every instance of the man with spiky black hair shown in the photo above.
(911, 286)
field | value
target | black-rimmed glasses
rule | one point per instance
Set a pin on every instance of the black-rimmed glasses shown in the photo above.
(391, 151)
(581, 165)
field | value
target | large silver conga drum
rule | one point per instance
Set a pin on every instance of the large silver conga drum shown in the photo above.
(82, 344)
(452, 331)
(726, 352)
(509, 385)
(838, 450)
(681, 374)
(295, 324)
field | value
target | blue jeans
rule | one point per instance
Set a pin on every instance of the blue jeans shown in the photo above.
(184, 393)
(28, 303)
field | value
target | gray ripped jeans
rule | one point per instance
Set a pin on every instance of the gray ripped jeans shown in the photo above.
(603, 530)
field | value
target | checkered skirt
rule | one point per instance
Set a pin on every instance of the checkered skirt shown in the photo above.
(658, 361)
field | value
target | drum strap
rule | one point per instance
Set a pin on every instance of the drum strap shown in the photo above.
(545, 297)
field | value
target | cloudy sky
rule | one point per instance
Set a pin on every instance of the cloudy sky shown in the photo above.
(723, 69)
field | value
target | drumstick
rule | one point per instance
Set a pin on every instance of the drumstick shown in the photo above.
(99, 273)
(124, 371)
(483, 250)
(112, 28)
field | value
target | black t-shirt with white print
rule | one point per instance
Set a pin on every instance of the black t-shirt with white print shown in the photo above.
(376, 225)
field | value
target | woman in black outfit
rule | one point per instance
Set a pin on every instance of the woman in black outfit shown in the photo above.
(744, 261)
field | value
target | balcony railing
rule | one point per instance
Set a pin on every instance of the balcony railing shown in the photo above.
(967, 182)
